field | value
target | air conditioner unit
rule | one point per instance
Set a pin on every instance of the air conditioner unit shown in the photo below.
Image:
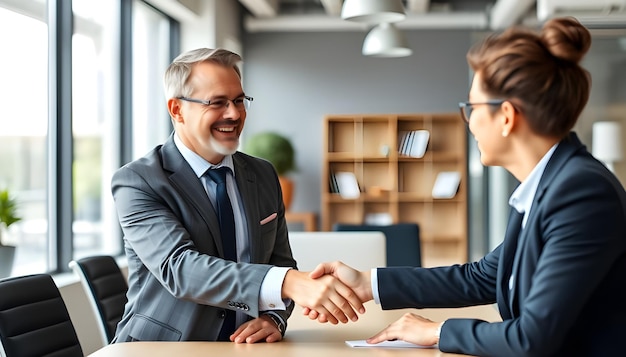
(579, 8)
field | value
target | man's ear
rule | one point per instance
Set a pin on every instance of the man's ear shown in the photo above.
(509, 118)
(175, 109)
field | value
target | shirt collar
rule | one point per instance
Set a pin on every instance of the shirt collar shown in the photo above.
(197, 163)
(522, 198)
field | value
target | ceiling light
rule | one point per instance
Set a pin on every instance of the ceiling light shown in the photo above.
(373, 11)
(385, 40)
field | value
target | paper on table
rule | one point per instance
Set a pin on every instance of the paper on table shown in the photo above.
(388, 344)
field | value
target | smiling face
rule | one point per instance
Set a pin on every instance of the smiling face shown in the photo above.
(488, 126)
(210, 132)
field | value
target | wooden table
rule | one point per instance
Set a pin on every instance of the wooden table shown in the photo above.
(306, 338)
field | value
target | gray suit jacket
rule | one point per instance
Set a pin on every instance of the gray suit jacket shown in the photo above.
(179, 287)
(569, 293)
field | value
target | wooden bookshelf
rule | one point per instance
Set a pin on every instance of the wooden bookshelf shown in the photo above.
(395, 185)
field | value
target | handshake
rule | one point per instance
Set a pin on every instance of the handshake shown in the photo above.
(332, 292)
(335, 292)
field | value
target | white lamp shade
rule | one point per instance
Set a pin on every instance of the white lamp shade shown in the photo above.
(607, 141)
(385, 40)
(373, 11)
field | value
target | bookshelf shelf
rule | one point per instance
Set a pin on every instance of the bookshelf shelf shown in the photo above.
(398, 185)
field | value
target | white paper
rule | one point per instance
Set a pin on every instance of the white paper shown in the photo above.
(446, 184)
(347, 184)
(387, 344)
(378, 219)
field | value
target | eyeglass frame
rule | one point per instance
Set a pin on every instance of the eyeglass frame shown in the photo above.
(245, 99)
(467, 106)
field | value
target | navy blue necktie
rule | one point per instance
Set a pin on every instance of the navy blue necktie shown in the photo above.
(225, 213)
(227, 231)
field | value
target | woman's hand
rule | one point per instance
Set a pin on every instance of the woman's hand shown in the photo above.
(410, 328)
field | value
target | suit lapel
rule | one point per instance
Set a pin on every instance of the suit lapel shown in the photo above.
(567, 147)
(509, 246)
(248, 191)
(517, 258)
(184, 179)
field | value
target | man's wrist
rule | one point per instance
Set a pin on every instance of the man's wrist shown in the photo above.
(278, 321)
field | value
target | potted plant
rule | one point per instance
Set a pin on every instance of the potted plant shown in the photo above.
(278, 150)
(8, 216)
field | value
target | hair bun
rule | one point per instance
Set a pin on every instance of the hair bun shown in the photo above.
(566, 38)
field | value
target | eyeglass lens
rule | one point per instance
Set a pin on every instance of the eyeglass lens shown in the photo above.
(466, 111)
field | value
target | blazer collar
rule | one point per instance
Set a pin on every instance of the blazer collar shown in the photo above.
(173, 161)
(186, 182)
(567, 147)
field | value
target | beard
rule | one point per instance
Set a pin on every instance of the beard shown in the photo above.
(223, 149)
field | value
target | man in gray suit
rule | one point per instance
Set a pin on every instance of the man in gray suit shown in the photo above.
(181, 284)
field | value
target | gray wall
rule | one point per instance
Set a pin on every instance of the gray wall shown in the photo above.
(297, 78)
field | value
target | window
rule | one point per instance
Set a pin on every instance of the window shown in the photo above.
(151, 121)
(23, 138)
(97, 128)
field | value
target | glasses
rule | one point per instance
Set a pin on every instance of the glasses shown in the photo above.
(241, 103)
(468, 107)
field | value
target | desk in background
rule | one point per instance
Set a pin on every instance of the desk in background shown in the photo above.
(306, 338)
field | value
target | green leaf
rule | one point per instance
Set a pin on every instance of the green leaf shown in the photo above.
(8, 209)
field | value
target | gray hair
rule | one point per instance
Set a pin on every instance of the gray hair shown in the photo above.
(177, 73)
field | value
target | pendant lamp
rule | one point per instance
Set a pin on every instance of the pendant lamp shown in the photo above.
(385, 40)
(373, 11)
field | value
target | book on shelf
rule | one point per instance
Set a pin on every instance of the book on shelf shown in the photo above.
(413, 143)
(378, 219)
(333, 183)
(347, 185)
(447, 184)
(402, 135)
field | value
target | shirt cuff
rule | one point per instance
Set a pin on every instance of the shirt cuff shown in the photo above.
(438, 332)
(374, 281)
(271, 290)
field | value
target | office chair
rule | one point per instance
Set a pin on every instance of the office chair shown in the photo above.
(34, 320)
(106, 287)
(403, 241)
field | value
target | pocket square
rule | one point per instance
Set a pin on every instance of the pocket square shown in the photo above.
(269, 218)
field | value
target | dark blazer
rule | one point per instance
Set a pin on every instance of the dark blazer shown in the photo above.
(569, 298)
(179, 287)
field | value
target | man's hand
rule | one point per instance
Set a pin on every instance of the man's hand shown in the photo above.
(410, 328)
(326, 294)
(258, 330)
(359, 282)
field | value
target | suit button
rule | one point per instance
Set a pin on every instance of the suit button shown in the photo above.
(222, 314)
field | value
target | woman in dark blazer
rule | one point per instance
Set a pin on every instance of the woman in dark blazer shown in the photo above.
(559, 277)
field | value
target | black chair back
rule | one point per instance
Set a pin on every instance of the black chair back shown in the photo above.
(106, 289)
(403, 241)
(34, 321)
